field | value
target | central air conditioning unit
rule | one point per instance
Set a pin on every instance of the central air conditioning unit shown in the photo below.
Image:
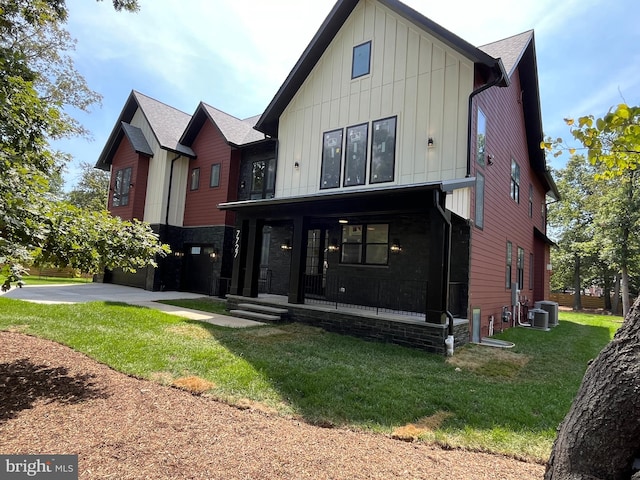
(551, 308)
(539, 318)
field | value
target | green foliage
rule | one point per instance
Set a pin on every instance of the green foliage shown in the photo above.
(331, 379)
(91, 191)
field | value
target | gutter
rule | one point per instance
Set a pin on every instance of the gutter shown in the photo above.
(502, 78)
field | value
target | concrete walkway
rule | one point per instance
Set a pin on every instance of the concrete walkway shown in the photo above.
(106, 292)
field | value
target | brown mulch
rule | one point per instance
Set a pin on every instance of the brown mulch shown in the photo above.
(54, 400)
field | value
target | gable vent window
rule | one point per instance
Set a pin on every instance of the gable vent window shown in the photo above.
(361, 60)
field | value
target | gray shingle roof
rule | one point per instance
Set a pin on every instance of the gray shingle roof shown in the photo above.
(167, 123)
(237, 132)
(137, 139)
(510, 50)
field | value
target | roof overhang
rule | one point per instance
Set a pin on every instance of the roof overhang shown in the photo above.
(539, 234)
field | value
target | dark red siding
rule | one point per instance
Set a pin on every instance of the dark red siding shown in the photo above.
(201, 204)
(505, 220)
(124, 157)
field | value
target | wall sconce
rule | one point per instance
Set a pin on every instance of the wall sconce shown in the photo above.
(286, 246)
(178, 254)
(215, 254)
(430, 142)
(296, 165)
(395, 246)
(333, 246)
(489, 159)
(243, 184)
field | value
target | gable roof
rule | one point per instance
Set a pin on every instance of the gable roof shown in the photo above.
(329, 29)
(519, 53)
(167, 124)
(236, 132)
(136, 139)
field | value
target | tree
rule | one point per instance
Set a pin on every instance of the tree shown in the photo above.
(37, 82)
(600, 436)
(92, 189)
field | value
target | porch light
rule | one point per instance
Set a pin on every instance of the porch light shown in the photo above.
(430, 142)
(343, 221)
(395, 246)
(333, 246)
(286, 246)
(214, 255)
(178, 254)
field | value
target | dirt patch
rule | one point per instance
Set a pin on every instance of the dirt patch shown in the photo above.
(489, 361)
(413, 431)
(194, 384)
(190, 330)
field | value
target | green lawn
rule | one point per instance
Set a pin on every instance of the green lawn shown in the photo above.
(37, 280)
(507, 401)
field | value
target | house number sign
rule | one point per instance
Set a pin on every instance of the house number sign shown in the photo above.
(236, 246)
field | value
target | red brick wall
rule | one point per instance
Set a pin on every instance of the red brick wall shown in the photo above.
(201, 204)
(504, 218)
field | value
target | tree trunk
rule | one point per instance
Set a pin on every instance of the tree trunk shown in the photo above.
(600, 436)
(616, 295)
(577, 284)
(625, 290)
(607, 289)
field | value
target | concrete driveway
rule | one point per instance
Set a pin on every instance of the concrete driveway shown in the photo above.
(106, 292)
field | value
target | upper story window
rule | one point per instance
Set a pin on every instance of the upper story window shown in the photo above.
(361, 60)
(383, 150)
(481, 133)
(214, 180)
(365, 244)
(121, 187)
(355, 161)
(331, 159)
(195, 179)
(515, 181)
(263, 179)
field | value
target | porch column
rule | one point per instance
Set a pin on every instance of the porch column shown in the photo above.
(439, 259)
(252, 258)
(298, 260)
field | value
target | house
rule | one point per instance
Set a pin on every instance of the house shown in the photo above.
(408, 181)
(393, 188)
(171, 169)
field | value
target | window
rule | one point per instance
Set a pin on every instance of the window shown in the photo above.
(515, 181)
(481, 132)
(520, 268)
(365, 244)
(263, 179)
(331, 159)
(215, 175)
(361, 60)
(121, 187)
(355, 160)
(530, 201)
(509, 255)
(479, 200)
(531, 271)
(383, 150)
(195, 179)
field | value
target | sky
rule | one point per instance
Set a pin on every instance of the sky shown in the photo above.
(235, 54)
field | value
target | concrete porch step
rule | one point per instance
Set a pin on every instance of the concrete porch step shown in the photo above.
(253, 307)
(252, 315)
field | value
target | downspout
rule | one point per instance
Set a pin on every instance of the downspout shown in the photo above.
(173, 161)
(484, 87)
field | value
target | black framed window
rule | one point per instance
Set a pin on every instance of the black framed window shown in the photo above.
(530, 201)
(263, 179)
(509, 264)
(479, 220)
(355, 160)
(515, 181)
(331, 159)
(520, 266)
(365, 244)
(121, 187)
(481, 134)
(195, 178)
(383, 150)
(214, 180)
(361, 60)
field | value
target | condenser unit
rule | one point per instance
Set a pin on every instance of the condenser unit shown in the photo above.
(551, 308)
(539, 318)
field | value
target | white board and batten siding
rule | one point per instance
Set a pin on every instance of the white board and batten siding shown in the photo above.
(158, 179)
(413, 76)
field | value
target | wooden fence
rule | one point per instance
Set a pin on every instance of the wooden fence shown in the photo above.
(588, 302)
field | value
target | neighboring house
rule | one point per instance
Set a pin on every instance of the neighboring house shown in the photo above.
(171, 169)
(408, 181)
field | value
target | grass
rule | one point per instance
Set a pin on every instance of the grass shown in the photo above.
(503, 401)
(37, 280)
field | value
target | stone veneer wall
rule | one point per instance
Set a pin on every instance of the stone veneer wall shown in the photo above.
(409, 333)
